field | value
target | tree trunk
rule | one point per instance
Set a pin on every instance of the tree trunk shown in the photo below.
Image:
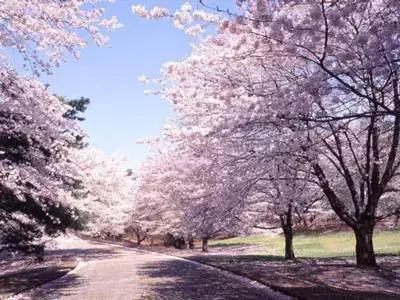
(363, 228)
(138, 239)
(191, 243)
(204, 245)
(395, 222)
(289, 252)
(287, 226)
(364, 246)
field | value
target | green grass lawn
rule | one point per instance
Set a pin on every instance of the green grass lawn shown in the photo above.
(313, 245)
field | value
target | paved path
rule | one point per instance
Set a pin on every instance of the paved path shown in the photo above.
(122, 273)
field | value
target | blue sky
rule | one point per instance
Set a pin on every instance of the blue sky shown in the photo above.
(120, 113)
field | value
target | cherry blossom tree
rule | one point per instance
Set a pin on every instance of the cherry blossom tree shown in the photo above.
(42, 32)
(321, 75)
(285, 197)
(344, 74)
(209, 209)
(154, 214)
(217, 121)
(193, 22)
(104, 193)
(181, 193)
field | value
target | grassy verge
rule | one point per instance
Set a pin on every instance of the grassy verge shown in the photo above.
(315, 245)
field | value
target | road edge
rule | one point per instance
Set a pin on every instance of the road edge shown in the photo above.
(25, 295)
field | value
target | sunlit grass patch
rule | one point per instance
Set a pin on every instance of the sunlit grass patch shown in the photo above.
(316, 245)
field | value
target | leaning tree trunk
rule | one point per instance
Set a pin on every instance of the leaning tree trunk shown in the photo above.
(204, 245)
(364, 245)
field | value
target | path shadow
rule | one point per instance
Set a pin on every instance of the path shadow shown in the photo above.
(56, 264)
(18, 282)
(176, 279)
(325, 278)
(64, 286)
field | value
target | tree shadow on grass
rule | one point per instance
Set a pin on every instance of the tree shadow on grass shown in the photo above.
(222, 245)
(236, 258)
(179, 280)
(325, 278)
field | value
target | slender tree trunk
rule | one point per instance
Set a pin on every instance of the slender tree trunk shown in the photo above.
(138, 239)
(287, 227)
(364, 246)
(204, 245)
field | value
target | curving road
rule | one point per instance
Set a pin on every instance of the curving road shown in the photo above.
(121, 273)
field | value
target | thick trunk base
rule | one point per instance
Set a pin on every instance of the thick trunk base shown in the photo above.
(365, 248)
(289, 251)
(287, 227)
(191, 243)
